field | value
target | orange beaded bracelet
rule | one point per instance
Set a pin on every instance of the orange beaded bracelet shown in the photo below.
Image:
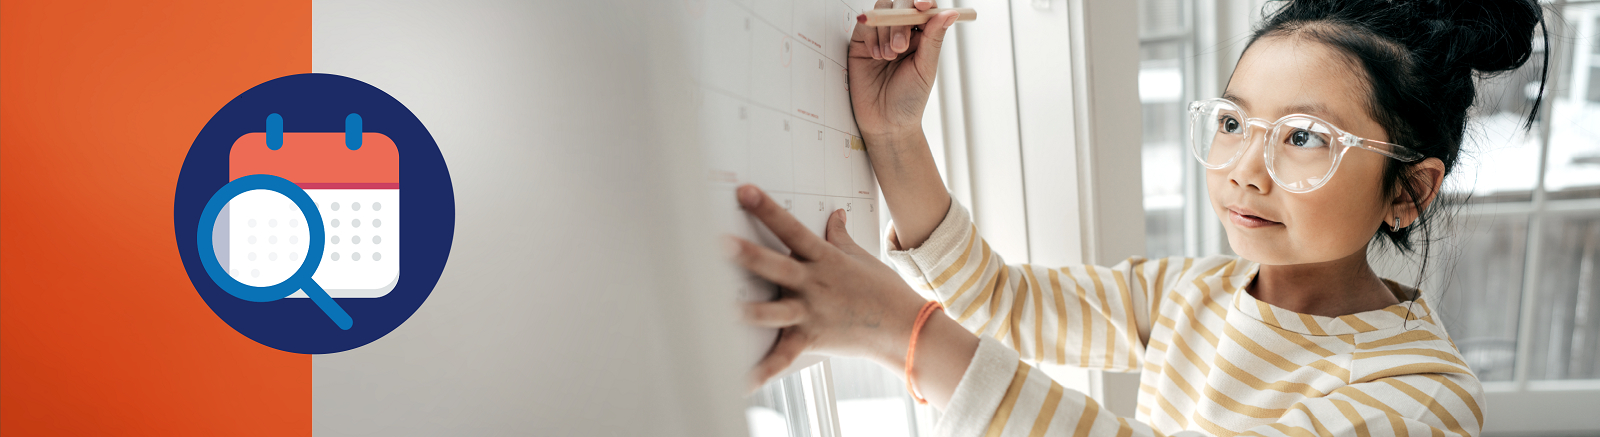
(911, 351)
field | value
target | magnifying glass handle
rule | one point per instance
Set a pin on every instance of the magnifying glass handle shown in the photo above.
(327, 304)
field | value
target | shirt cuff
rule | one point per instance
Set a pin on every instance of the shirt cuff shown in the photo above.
(946, 242)
(980, 391)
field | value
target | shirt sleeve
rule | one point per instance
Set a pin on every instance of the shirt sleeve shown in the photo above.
(999, 395)
(1086, 316)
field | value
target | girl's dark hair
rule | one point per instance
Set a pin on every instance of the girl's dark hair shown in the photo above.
(1420, 58)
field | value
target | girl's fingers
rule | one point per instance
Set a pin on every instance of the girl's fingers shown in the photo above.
(789, 230)
(869, 41)
(776, 314)
(932, 40)
(884, 51)
(901, 34)
(840, 238)
(923, 5)
(836, 231)
(865, 44)
(867, 38)
(768, 264)
(789, 346)
(901, 39)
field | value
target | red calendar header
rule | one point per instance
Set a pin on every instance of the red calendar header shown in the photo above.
(319, 160)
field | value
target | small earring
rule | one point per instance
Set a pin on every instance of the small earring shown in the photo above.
(1395, 227)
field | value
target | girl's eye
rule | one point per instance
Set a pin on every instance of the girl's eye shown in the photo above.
(1305, 139)
(1229, 124)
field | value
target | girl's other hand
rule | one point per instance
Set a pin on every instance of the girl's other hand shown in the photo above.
(891, 73)
(836, 298)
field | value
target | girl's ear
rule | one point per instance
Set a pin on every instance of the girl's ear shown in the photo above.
(1425, 178)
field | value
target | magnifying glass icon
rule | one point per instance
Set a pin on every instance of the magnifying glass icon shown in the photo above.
(301, 279)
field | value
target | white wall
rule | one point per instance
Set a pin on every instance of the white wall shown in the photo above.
(580, 294)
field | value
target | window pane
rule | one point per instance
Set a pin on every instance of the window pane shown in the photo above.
(1499, 159)
(1566, 331)
(1481, 299)
(779, 409)
(1165, 159)
(1574, 166)
(1157, 17)
(871, 401)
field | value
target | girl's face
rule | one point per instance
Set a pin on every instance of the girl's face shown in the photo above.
(1278, 76)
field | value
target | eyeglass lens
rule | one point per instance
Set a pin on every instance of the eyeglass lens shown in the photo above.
(1300, 150)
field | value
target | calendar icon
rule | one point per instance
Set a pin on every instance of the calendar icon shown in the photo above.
(354, 179)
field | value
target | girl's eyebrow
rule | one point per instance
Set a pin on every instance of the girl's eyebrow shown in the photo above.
(1311, 108)
(1236, 99)
(1316, 109)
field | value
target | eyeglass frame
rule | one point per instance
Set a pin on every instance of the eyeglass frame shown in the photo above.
(1344, 139)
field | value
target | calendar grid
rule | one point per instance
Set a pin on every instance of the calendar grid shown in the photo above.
(779, 116)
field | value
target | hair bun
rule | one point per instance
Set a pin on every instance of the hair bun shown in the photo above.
(1485, 35)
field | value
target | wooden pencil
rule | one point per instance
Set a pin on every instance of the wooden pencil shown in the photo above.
(910, 16)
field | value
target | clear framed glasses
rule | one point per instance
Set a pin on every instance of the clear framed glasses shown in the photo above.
(1302, 151)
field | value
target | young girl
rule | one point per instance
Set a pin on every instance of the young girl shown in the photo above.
(1336, 130)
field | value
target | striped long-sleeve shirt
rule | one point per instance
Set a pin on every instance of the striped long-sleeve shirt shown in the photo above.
(1214, 360)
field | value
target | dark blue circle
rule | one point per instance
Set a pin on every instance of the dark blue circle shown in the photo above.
(208, 253)
(322, 103)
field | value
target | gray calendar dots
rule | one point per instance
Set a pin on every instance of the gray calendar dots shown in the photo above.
(376, 239)
(377, 256)
(251, 223)
(272, 256)
(377, 206)
(294, 256)
(233, 273)
(334, 223)
(333, 206)
(355, 256)
(333, 255)
(355, 206)
(334, 239)
(355, 223)
(294, 223)
(252, 239)
(255, 273)
(294, 239)
(377, 222)
(251, 256)
(273, 223)
(272, 239)
(355, 239)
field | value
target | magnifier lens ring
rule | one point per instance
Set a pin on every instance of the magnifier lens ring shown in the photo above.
(208, 255)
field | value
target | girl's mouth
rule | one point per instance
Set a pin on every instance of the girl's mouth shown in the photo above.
(1249, 221)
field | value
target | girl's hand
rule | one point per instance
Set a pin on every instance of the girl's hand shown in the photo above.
(837, 299)
(891, 74)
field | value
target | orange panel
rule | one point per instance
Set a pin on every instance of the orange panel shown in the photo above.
(101, 332)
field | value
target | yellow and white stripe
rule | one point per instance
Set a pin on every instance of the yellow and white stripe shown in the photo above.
(1214, 360)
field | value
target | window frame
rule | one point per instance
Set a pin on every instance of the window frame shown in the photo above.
(1523, 405)
(1076, 198)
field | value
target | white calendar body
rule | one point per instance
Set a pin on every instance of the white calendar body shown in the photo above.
(267, 239)
(357, 194)
(774, 104)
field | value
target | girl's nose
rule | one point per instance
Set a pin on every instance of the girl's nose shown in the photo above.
(1251, 170)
